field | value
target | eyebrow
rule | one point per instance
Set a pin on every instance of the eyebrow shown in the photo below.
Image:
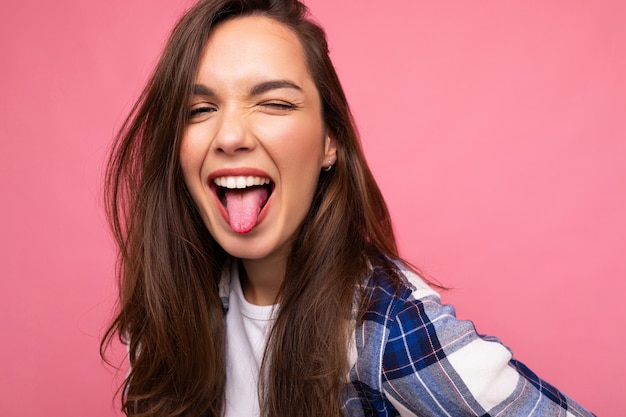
(202, 90)
(257, 89)
(273, 85)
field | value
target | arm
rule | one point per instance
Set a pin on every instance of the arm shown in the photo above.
(436, 365)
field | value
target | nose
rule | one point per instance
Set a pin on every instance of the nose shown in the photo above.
(233, 134)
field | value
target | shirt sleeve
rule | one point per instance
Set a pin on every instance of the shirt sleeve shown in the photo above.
(436, 365)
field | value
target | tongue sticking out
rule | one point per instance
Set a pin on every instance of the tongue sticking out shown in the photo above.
(243, 207)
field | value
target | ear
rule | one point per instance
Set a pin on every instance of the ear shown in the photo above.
(330, 150)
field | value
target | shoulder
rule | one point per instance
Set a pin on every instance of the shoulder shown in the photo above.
(391, 292)
(405, 327)
(418, 330)
(404, 335)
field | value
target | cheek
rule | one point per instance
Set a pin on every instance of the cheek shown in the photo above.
(191, 156)
(297, 145)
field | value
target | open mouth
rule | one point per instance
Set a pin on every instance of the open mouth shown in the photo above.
(242, 184)
(243, 198)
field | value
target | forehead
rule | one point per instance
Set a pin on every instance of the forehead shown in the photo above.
(252, 46)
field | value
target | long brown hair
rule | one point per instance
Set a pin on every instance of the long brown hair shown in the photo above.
(169, 265)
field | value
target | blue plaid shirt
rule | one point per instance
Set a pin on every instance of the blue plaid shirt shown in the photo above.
(411, 356)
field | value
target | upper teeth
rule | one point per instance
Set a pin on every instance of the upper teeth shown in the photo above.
(240, 182)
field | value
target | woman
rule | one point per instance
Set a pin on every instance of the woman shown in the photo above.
(258, 269)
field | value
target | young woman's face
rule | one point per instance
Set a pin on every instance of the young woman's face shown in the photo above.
(255, 141)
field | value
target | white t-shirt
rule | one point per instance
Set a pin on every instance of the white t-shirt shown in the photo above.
(247, 327)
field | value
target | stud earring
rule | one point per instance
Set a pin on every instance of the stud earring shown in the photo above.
(329, 167)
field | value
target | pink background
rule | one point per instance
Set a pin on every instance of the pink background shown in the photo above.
(497, 131)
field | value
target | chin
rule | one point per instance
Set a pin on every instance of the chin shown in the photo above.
(248, 247)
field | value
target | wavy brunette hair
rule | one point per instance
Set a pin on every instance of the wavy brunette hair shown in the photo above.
(169, 266)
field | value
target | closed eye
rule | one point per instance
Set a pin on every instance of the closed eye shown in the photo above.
(278, 105)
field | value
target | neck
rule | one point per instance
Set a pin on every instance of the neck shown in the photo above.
(261, 279)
